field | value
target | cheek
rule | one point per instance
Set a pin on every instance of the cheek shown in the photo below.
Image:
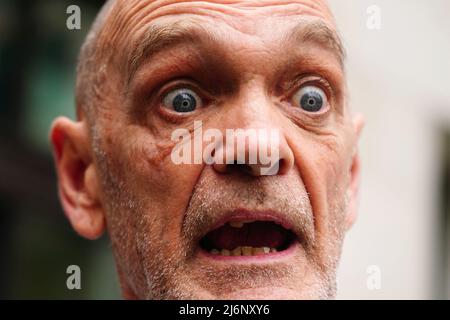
(335, 166)
(160, 188)
(323, 165)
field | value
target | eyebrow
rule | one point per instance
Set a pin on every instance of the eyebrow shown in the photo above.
(317, 31)
(158, 38)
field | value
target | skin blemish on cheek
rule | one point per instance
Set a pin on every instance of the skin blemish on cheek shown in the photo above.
(160, 151)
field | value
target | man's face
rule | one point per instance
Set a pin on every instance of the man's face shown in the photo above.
(224, 230)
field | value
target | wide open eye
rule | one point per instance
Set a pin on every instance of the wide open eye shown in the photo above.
(310, 99)
(182, 100)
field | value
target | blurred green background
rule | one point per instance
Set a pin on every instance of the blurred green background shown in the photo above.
(37, 72)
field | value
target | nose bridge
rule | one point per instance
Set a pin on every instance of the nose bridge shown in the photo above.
(254, 142)
(253, 107)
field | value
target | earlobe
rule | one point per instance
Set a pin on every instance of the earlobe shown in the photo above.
(92, 222)
(77, 180)
(353, 192)
(358, 124)
(355, 171)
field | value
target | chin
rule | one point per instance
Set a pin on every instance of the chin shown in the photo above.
(264, 293)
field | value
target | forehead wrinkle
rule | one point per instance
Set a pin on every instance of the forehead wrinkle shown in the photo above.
(157, 38)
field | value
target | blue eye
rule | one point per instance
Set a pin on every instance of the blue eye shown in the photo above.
(310, 99)
(182, 100)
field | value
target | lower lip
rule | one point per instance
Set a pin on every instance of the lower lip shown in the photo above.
(259, 258)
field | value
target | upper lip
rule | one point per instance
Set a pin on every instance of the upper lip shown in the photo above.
(254, 215)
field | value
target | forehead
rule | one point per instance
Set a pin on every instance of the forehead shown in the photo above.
(132, 25)
(237, 7)
(132, 17)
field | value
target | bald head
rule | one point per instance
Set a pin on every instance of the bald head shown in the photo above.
(90, 63)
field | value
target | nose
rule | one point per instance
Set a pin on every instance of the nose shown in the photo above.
(255, 152)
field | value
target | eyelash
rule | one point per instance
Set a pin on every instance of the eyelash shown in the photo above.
(178, 84)
(312, 80)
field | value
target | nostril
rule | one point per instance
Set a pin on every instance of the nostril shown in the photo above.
(282, 166)
(240, 167)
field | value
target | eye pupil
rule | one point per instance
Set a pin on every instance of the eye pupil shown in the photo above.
(311, 101)
(184, 102)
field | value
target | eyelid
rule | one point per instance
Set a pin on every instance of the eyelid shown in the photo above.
(313, 87)
(312, 80)
(179, 84)
(176, 85)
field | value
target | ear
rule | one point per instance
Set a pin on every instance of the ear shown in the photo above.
(355, 171)
(78, 186)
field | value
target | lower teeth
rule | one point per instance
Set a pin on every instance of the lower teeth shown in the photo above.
(244, 251)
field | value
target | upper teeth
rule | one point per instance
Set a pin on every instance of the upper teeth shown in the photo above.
(237, 224)
(240, 224)
(244, 251)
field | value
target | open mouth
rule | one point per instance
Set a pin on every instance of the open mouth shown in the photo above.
(248, 238)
